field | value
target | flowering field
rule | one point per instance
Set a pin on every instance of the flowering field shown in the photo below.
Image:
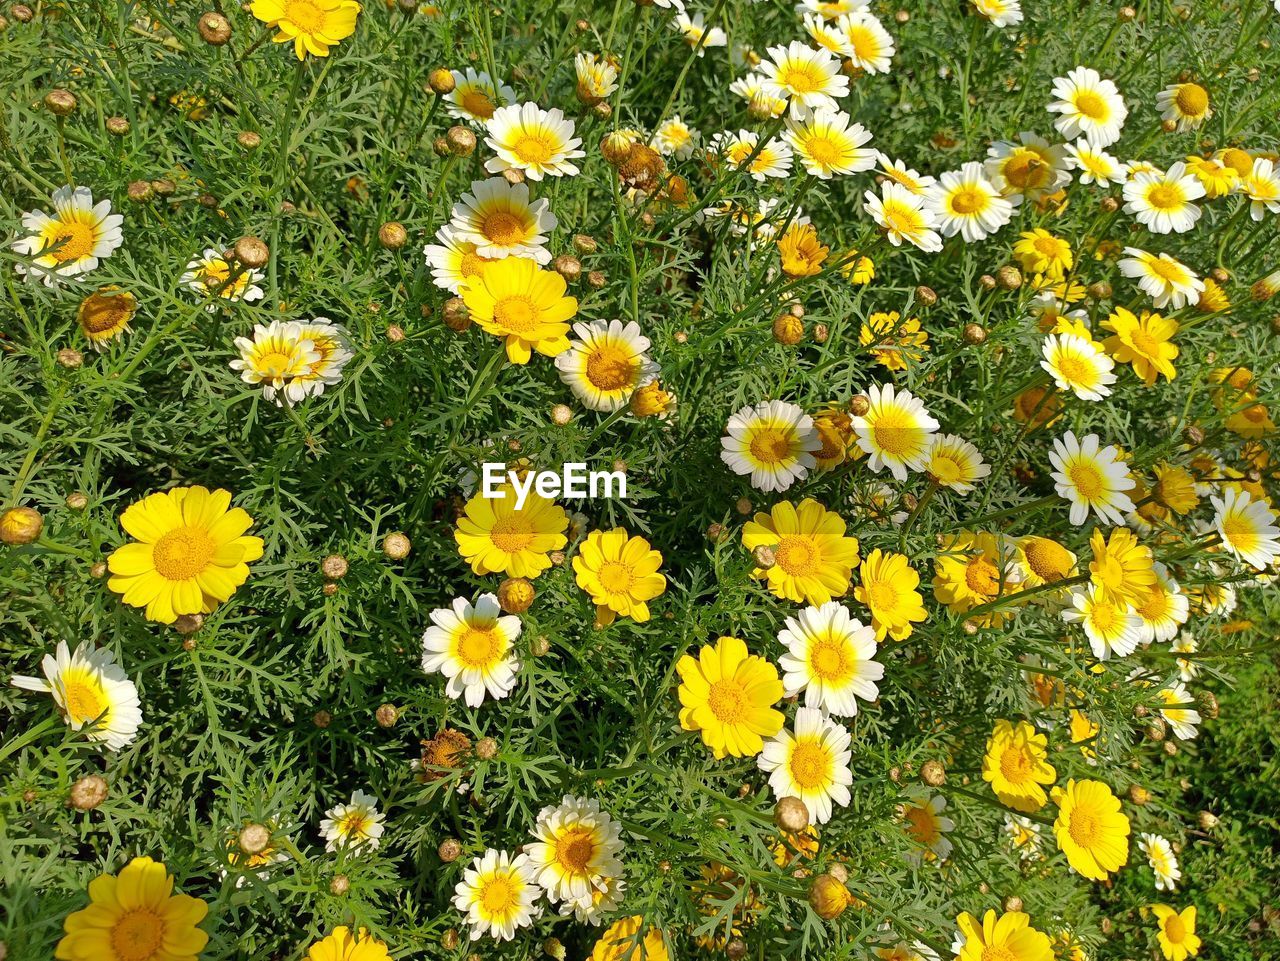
(639, 480)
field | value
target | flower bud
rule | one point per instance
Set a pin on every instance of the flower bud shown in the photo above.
(22, 13)
(392, 235)
(561, 415)
(60, 103)
(933, 773)
(462, 142)
(322, 719)
(139, 191)
(828, 897)
(736, 949)
(716, 532)
(340, 885)
(1099, 291)
(117, 126)
(1125, 14)
(1192, 435)
(450, 850)
(249, 139)
(1012, 903)
(486, 749)
(254, 838)
(1109, 205)
(1138, 794)
(927, 296)
(596, 279)
(764, 556)
(859, 404)
(515, 595)
(396, 546)
(214, 29)
(974, 334)
(584, 244)
(1009, 277)
(449, 940)
(456, 316)
(441, 81)
(568, 267)
(187, 624)
(334, 567)
(87, 792)
(386, 715)
(1207, 820)
(791, 815)
(70, 358)
(20, 525)
(987, 282)
(252, 252)
(788, 330)
(1208, 704)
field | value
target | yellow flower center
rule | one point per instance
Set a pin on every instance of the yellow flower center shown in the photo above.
(1084, 827)
(609, 367)
(803, 77)
(771, 446)
(479, 647)
(1239, 533)
(511, 534)
(823, 149)
(728, 701)
(477, 103)
(1049, 560)
(1015, 764)
(83, 698)
(574, 850)
(894, 434)
(276, 362)
(1109, 572)
(998, 952)
(499, 896)
(810, 764)
(1167, 270)
(1048, 246)
(306, 15)
(1104, 617)
(182, 553)
(102, 313)
(882, 596)
(1026, 170)
(472, 265)
(517, 312)
(353, 825)
(946, 470)
(829, 659)
(901, 219)
(797, 555)
(1192, 99)
(1144, 343)
(536, 147)
(968, 200)
(982, 577)
(137, 935)
(1155, 606)
(1165, 197)
(1075, 369)
(1174, 929)
(1087, 480)
(616, 577)
(73, 240)
(504, 228)
(921, 825)
(1092, 104)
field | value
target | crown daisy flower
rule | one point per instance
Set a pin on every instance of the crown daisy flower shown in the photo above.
(525, 305)
(603, 901)
(137, 904)
(954, 463)
(1144, 341)
(1094, 165)
(498, 895)
(343, 944)
(870, 47)
(210, 276)
(1040, 252)
(1016, 765)
(494, 536)
(1091, 477)
(800, 252)
(829, 144)
(1176, 932)
(927, 827)
(888, 589)
(1178, 709)
(332, 342)
(1091, 829)
(825, 34)
(760, 100)
(1187, 104)
(903, 215)
(1024, 833)
(607, 363)
(830, 658)
(1009, 936)
(898, 172)
(624, 941)
(695, 32)
(893, 342)
(454, 262)
(803, 76)
(475, 97)
(972, 569)
(279, 358)
(105, 315)
(597, 77)
(1217, 179)
(1031, 167)
(813, 557)
(1185, 643)
(1112, 626)
(1122, 569)
(91, 692)
(354, 825)
(1262, 186)
(620, 573)
(812, 764)
(1161, 859)
(313, 26)
(675, 138)
(72, 240)
(538, 142)
(1247, 527)
(1001, 13)
(500, 220)
(474, 647)
(575, 849)
(773, 160)
(1166, 281)
(965, 202)
(728, 695)
(1090, 107)
(895, 431)
(191, 552)
(774, 442)
(1038, 561)
(1162, 201)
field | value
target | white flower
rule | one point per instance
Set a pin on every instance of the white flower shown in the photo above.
(1163, 861)
(895, 431)
(73, 240)
(674, 138)
(903, 216)
(475, 97)
(1112, 629)
(209, 275)
(474, 647)
(1091, 477)
(1078, 365)
(1001, 13)
(804, 76)
(1262, 186)
(811, 765)
(870, 45)
(279, 358)
(1166, 281)
(774, 442)
(607, 363)
(1247, 527)
(1178, 711)
(697, 35)
(355, 825)
(1095, 165)
(498, 895)
(91, 692)
(928, 827)
(527, 138)
(499, 219)
(575, 851)
(828, 143)
(965, 202)
(1089, 106)
(830, 658)
(1162, 202)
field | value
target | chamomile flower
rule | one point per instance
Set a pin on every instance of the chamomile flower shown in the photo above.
(597, 77)
(773, 442)
(91, 692)
(1089, 107)
(1166, 281)
(1040, 252)
(826, 34)
(498, 894)
(1031, 166)
(1163, 202)
(772, 160)
(540, 143)
(870, 47)
(1178, 710)
(895, 431)
(954, 463)
(830, 658)
(1091, 477)
(903, 215)
(278, 358)
(454, 262)
(1262, 186)
(1162, 860)
(1187, 104)
(501, 221)
(696, 35)
(1163, 608)
(811, 764)
(1078, 365)
(576, 848)
(1247, 527)
(355, 825)
(1001, 13)
(72, 240)
(828, 143)
(607, 363)
(675, 138)
(926, 825)
(1112, 626)
(803, 76)
(1094, 165)
(965, 202)
(210, 276)
(474, 647)
(475, 97)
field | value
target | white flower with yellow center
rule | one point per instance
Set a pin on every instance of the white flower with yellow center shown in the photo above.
(831, 9)
(527, 138)
(1095, 165)
(332, 342)
(91, 691)
(828, 143)
(597, 77)
(278, 358)
(830, 658)
(898, 171)
(752, 88)
(903, 216)
(474, 647)
(1179, 711)
(498, 217)
(804, 76)
(576, 848)
(774, 442)
(1185, 643)
(1078, 365)
(1001, 13)
(355, 825)
(210, 275)
(826, 34)
(870, 45)
(1025, 835)
(475, 98)
(1162, 860)
(72, 240)
(607, 363)
(1162, 202)
(1262, 186)
(1163, 608)
(453, 261)
(1090, 107)
(1166, 281)
(1091, 477)
(896, 431)
(696, 35)
(1112, 627)
(1187, 104)
(675, 138)
(1247, 527)
(925, 824)
(811, 765)
(773, 160)
(600, 904)
(954, 463)
(1031, 167)
(965, 202)
(498, 895)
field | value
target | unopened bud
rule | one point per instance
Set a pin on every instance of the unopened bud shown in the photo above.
(791, 815)
(69, 358)
(340, 885)
(561, 414)
(1009, 277)
(392, 235)
(927, 296)
(214, 29)
(117, 126)
(515, 595)
(486, 749)
(20, 525)
(764, 556)
(87, 792)
(828, 897)
(788, 330)
(60, 103)
(1207, 820)
(462, 142)
(450, 850)
(974, 334)
(441, 81)
(334, 567)
(584, 244)
(1109, 205)
(187, 624)
(456, 316)
(254, 838)
(252, 252)
(933, 773)
(820, 333)
(386, 715)
(568, 267)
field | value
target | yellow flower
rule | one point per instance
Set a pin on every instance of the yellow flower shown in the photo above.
(1041, 561)
(1040, 252)
(1015, 765)
(650, 400)
(620, 574)
(1213, 299)
(1084, 731)
(970, 571)
(313, 25)
(1144, 342)
(1175, 489)
(1121, 567)
(858, 270)
(893, 343)
(1091, 829)
(814, 559)
(622, 941)
(1177, 935)
(517, 300)
(835, 430)
(888, 589)
(342, 945)
(728, 695)
(104, 315)
(493, 535)
(192, 552)
(801, 251)
(1007, 938)
(1215, 177)
(135, 916)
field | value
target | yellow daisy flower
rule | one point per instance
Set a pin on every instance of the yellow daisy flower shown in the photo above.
(1016, 766)
(1091, 829)
(620, 573)
(494, 535)
(969, 571)
(888, 589)
(893, 342)
(1144, 342)
(801, 252)
(314, 26)
(517, 300)
(728, 695)
(344, 945)
(1040, 252)
(1009, 937)
(622, 941)
(1121, 567)
(1177, 934)
(105, 314)
(813, 557)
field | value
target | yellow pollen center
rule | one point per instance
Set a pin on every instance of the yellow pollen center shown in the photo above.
(998, 952)
(511, 534)
(1015, 765)
(771, 446)
(472, 265)
(499, 896)
(574, 850)
(1026, 170)
(968, 200)
(902, 219)
(1087, 480)
(616, 577)
(1092, 105)
(503, 228)
(1110, 572)
(946, 470)
(982, 577)
(1155, 606)
(182, 553)
(1075, 369)
(1192, 99)
(801, 78)
(882, 595)
(864, 43)
(1174, 929)
(353, 825)
(83, 699)
(1047, 246)
(822, 149)
(1084, 827)
(1048, 560)
(829, 659)
(810, 765)
(1144, 343)
(306, 15)
(728, 701)
(517, 313)
(895, 435)
(102, 313)
(921, 825)
(477, 103)
(479, 647)
(797, 555)
(609, 367)
(1168, 271)
(137, 935)
(276, 363)
(1104, 617)
(1165, 197)
(534, 148)
(73, 240)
